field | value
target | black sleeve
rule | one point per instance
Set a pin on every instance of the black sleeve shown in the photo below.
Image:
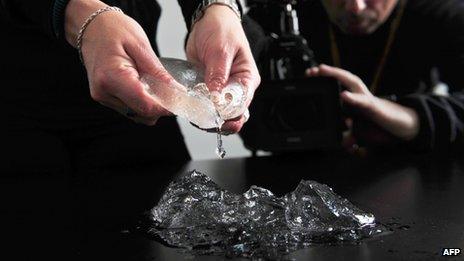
(256, 37)
(442, 117)
(188, 7)
(259, 22)
(265, 15)
(29, 14)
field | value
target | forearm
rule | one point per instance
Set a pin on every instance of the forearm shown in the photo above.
(401, 121)
(441, 119)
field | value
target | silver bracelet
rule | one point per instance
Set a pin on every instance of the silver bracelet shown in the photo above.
(87, 22)
(200, 11)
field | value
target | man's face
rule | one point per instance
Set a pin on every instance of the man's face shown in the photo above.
(359, 16)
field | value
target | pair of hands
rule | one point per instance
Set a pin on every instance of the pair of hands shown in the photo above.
(377, 119)
(116, 51)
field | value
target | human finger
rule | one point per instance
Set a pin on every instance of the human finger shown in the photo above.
(218, 63)
(346, 78)
(119, 106)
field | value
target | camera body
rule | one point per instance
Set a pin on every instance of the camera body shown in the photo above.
(291, 112)
(294, 115)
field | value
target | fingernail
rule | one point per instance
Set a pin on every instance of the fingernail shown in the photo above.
(312, 71)
(348, 93)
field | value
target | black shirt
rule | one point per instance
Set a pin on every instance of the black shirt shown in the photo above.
(430, 37)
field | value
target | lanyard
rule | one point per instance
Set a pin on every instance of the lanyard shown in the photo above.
(391, 37)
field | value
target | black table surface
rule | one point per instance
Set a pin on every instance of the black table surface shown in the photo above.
(90, 216)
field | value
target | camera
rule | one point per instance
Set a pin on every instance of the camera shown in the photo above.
(291, 112)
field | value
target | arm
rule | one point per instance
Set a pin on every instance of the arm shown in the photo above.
(115, 52)
(442, 117)
(218, 42)
(420, 121)
(400, 121)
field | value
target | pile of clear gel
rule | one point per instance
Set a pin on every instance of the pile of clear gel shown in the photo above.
(197, 215)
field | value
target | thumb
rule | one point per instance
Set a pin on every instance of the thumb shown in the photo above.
(147, 62)
(217, 69)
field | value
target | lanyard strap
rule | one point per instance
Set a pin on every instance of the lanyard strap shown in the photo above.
(391, 37)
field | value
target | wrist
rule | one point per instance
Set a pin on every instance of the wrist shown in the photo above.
(208, 6)
(412, 130)
(402, 121)
(76, 12)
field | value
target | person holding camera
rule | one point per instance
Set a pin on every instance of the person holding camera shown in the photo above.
(399, 63)
(53, 94)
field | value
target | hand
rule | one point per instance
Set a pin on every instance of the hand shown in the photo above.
(116, 51)
(218, 42)
(400, 121)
